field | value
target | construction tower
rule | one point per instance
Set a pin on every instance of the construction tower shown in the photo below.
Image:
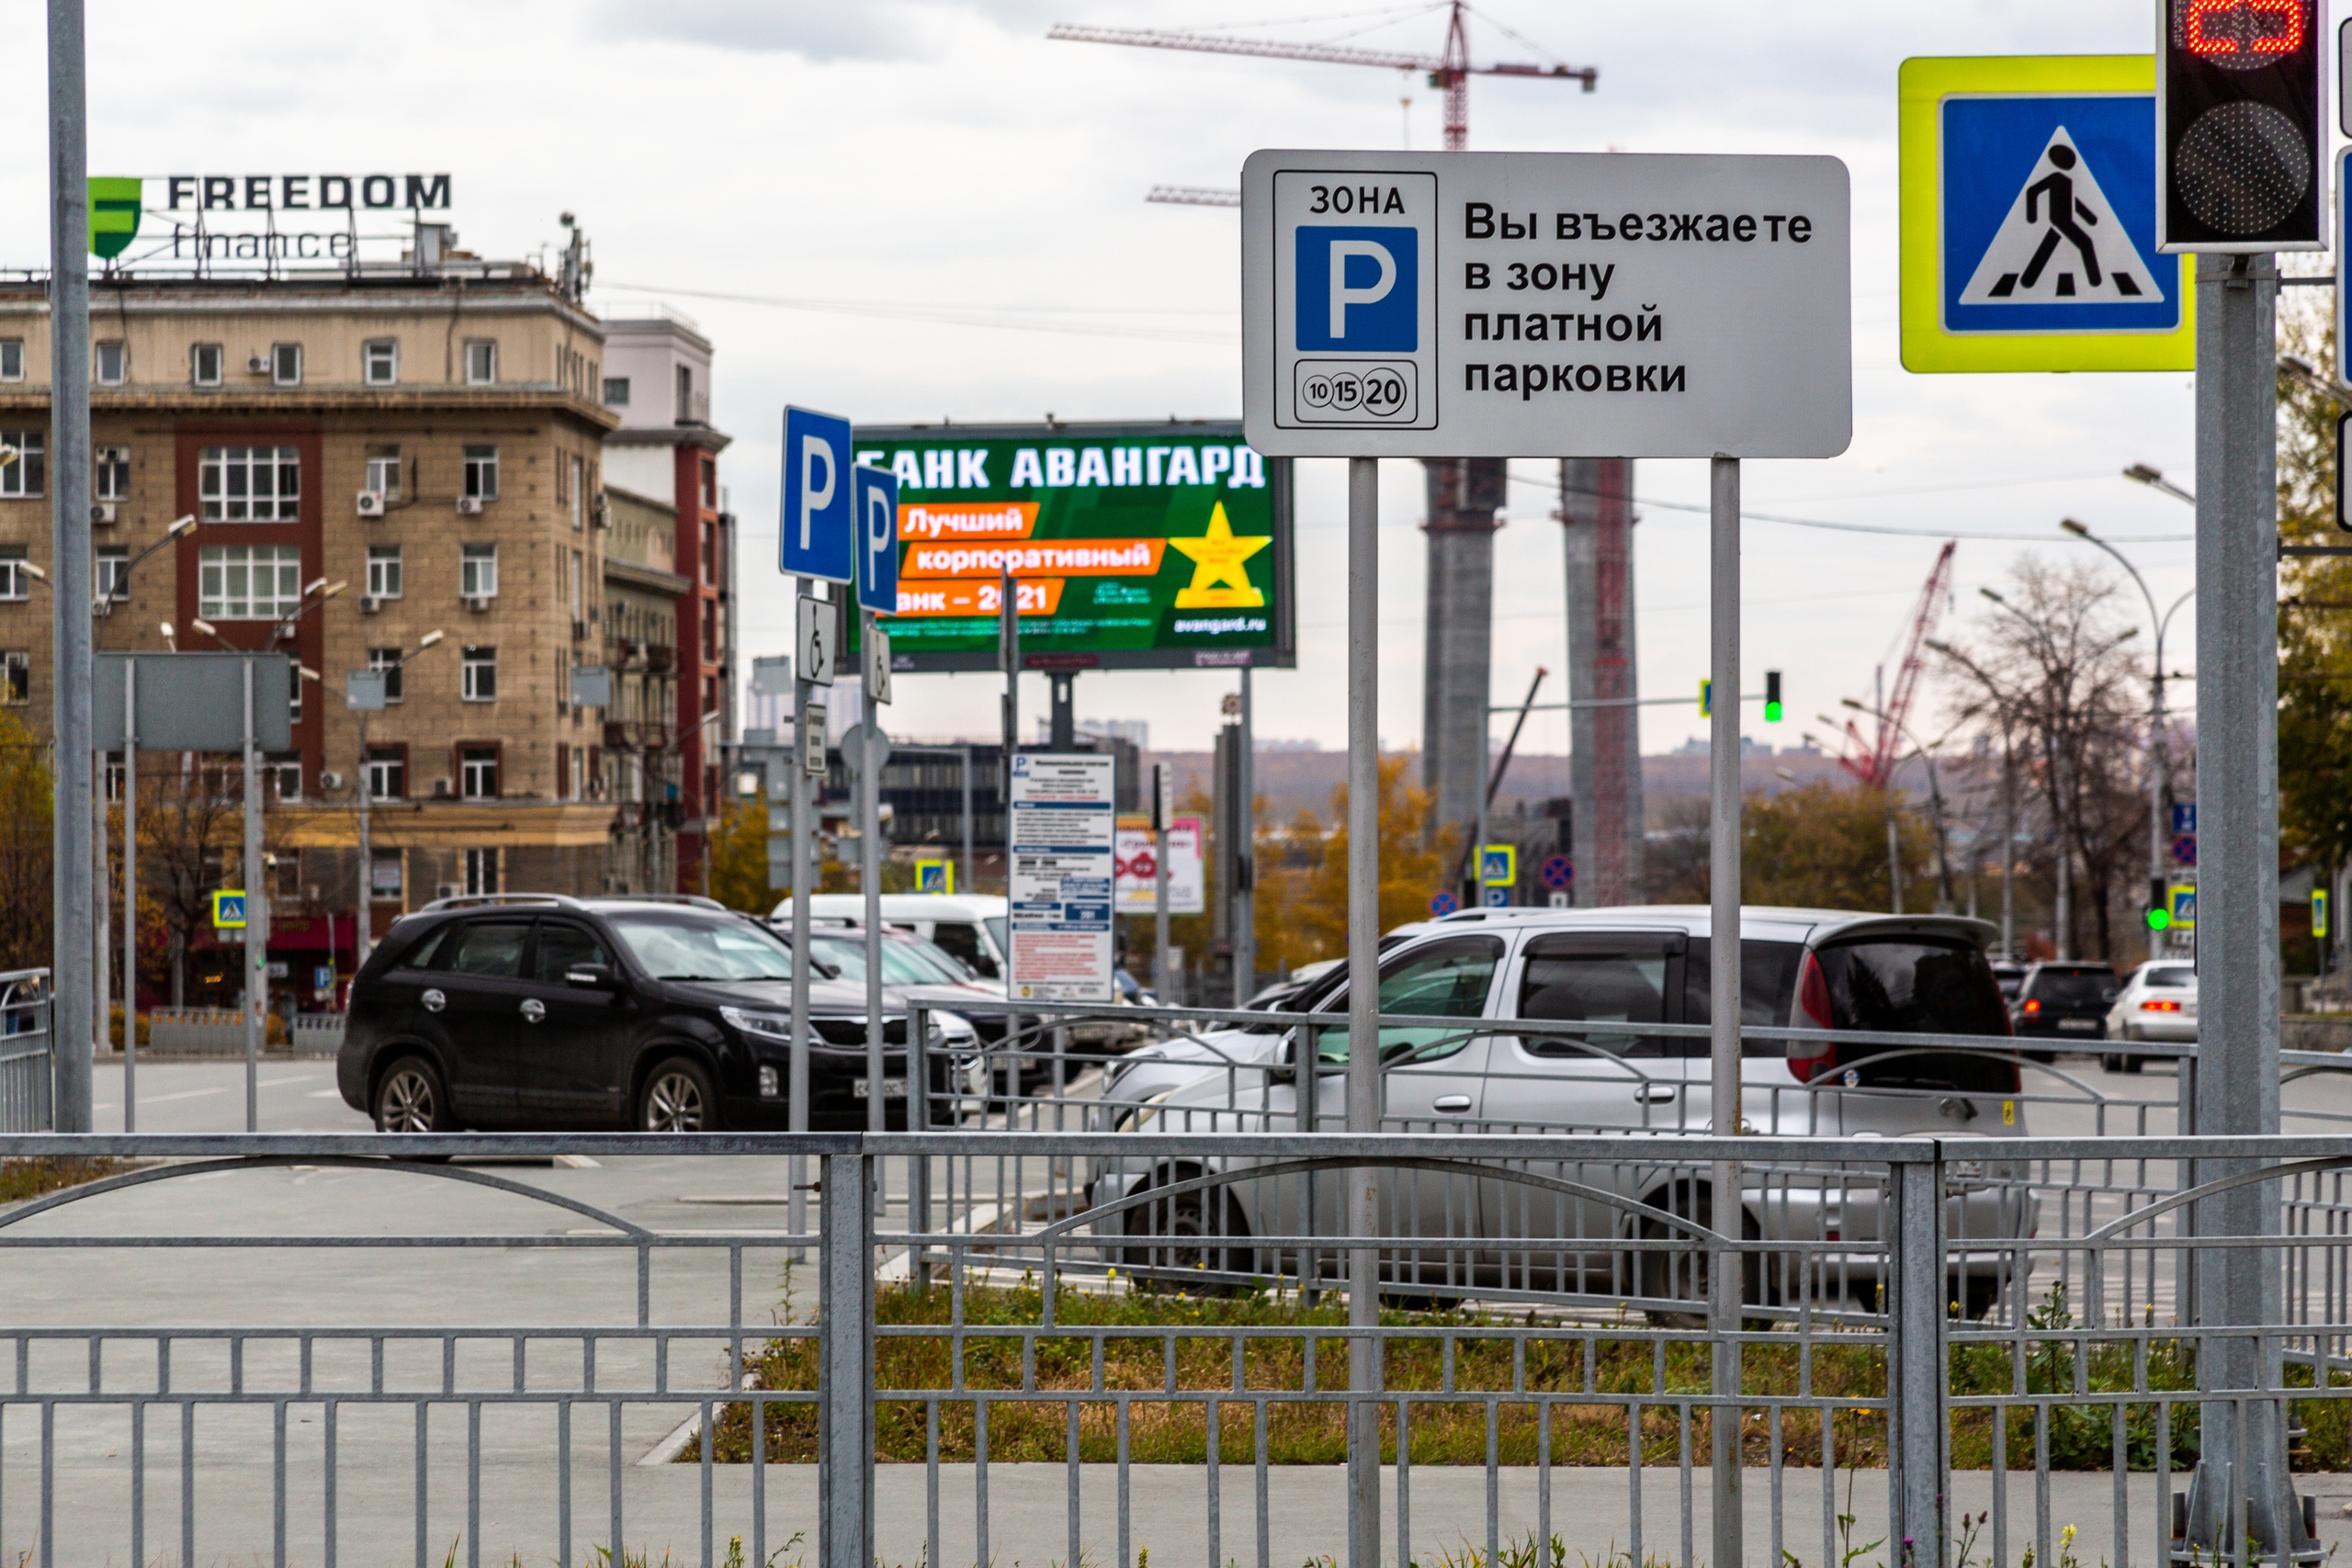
(1465, 494)
(1604, 724)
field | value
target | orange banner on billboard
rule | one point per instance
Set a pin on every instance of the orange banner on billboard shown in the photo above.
(1037, 596)
(968, 519)
(1067, 558)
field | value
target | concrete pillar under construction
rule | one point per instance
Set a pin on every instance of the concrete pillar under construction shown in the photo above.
(1604, 739)
(1465, 494)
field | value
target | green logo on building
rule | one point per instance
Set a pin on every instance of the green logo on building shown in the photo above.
(114, 215)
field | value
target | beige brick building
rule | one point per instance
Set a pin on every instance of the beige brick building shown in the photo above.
(432, 440)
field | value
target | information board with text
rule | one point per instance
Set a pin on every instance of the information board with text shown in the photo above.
(1061, 833)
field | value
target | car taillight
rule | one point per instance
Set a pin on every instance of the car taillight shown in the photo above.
(2160, 1007)
(2032, 1007)
(1810, 1059)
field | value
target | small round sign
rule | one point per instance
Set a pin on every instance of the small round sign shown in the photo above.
(1559, 874)
(1443, 904)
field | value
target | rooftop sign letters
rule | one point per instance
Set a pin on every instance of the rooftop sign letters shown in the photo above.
(253, 217)
(300, 193)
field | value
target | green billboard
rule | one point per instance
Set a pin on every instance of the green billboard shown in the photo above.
(1131, 546)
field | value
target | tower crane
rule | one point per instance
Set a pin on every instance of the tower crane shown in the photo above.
(1872, 760)
(1449, 72)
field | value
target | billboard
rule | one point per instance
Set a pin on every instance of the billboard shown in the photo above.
(1132, 547)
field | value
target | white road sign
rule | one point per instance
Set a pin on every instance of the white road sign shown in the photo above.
(1545, 304)
(1138, 857)
(1063, 823)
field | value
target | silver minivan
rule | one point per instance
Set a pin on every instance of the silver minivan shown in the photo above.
(1801, 969)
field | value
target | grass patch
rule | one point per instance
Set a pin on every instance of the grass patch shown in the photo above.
(26, 1179)
(1141, 1342)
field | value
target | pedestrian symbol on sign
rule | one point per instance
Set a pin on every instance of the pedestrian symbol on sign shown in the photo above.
(2060, 242)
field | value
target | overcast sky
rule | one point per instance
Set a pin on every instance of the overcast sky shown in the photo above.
(962, 198)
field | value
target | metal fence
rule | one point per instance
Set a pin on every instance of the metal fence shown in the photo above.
(1104, 1346)
(27, 1076)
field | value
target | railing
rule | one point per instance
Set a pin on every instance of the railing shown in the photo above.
(28, 1072)
(1094, 1345)
(172, 1030)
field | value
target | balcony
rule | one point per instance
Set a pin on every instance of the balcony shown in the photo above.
(660, 657)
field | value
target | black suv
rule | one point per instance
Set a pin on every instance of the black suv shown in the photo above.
(2066, 1000)
(659, 1013)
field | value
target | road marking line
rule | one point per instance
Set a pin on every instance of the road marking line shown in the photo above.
(184, 1094)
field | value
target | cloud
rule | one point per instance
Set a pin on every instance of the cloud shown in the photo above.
(821, 31)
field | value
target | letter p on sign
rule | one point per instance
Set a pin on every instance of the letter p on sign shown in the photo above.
(818, 531)
(877, 539)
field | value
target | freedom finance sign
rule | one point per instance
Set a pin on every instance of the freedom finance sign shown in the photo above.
(1545, 304)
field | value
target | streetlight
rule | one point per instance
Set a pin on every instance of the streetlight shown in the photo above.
(103, 604)
(363, 927)
(2159, 768)
(1936, 804)
(2141, 473)
(2002, 704)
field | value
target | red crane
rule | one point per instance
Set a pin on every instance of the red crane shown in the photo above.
(1872, 761)
(1450, 72)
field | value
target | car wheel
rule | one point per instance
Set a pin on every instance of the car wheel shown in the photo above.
(411, 1098)
(677, 1097)
(1686, 1274)
(2112, 1061)
(1190, 1224)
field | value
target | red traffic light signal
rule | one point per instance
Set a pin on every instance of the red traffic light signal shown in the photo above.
(2241, 146)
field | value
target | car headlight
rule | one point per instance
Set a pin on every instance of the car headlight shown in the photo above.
(955, 1029)
(1135, 1120)
(769, 1026)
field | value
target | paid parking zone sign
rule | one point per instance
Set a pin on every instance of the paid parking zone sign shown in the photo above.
(2029, 218)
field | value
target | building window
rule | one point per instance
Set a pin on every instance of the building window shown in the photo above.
(113, 580)
(685, 393)
(15, 678)
(481, 361)
(476, 777)
(384, 475)
(15, 580)
(481, 865)
(387, 780)
(285, 777)
(616, 391)
(710, 483)
(478, 675)
(477, 571)
(579, 587)
(11, 363)
(384, 876)
(380, 362)
(250, 484)
(579, 492)
(109, 362)
(482, 472)
(24, 462)
(386, 661)
(294, 691)
(383, 571)
(204, 362)
(285, 364)
(111, 474)
(248, 583)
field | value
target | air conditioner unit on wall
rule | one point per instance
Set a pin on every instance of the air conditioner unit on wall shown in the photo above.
(330, 780)
(368, 605)
(478, 602)
(446, 890)
(102, 512)
(371, 503)
(258, 364)
(440, 789)
(600, 514)
(468, 507)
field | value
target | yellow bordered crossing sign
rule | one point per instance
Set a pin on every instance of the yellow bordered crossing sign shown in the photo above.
(2028, 192)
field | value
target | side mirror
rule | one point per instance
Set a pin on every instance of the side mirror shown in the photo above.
(590, 977)
(825, 971)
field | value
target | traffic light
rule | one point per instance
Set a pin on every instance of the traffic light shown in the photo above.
(2159, 906)
(1772, 696)
(1707, 699)
(2239, 137)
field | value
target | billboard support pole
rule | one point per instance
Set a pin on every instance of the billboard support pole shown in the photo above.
(131, 895)
(1245, 857)
(257, 914)
(1063, 686)
(1364, 1007)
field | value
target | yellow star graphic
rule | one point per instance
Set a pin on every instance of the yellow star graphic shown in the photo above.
(1219, 582)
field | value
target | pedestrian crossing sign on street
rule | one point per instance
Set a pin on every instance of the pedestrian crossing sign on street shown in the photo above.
(2028, 218)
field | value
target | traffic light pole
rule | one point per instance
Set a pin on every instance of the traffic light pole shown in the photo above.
(2237, 783)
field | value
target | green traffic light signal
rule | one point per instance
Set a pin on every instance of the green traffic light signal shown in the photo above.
(2160, 919)
(1772, 696)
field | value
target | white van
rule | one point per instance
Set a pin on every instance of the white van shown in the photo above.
(972, 926)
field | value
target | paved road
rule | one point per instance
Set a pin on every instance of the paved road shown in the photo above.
(177, 1096)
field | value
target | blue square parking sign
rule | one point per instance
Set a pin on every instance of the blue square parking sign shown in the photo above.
(1358, 288)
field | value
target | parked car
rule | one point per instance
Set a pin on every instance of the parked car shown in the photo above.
(1800, 968)
(2159, 1002)
(664, 1014)
(2063, 1001)
(974, 927)
(2010, 975)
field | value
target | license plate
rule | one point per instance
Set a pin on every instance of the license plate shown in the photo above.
(892, 1089)
(2085, 1024)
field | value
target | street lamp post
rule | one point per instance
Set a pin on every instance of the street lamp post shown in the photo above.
(2159, 762)
(1935, 804)
(2002, 703)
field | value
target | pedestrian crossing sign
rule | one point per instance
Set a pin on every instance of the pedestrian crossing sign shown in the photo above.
(936, 876)
(2028, 192)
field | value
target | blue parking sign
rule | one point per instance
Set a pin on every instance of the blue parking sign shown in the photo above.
(1358, 288)
(816, 526)
(2184, 816)
(876, 494)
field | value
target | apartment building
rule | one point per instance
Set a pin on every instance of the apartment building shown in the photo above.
(432, 437)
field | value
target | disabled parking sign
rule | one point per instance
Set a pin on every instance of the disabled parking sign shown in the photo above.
(2029, 190)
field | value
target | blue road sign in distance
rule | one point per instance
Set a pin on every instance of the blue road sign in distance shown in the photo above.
(2184, 908)
(2050, 216)
(1443, 903)
(818, 528)
(2184, 816)
(1497, 897)
(2184, 849)
(876, 494)
(1499, 865)
(1559, 874)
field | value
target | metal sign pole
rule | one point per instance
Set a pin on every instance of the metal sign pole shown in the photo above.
(1724, 976)
(804, 821)
(364, 929)
(72, 1023)
(1364, 1007)
(256, 917)
(131, 895)
(1245, 856)
(869, 878)
(1163, 795)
